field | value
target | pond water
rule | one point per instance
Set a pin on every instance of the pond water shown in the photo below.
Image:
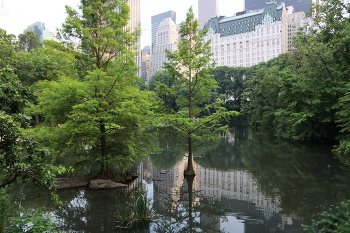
(247, 182)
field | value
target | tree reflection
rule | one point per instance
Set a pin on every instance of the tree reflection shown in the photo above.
(186, 211)
(305, 177)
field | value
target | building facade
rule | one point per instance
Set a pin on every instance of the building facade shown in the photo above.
(299, 5)
(157, 19)
(40, 30)
(145, 62)
(206, 10)
(134, 21)
(166, 38)
(295, 21)
(249, 37)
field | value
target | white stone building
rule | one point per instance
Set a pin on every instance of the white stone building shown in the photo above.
(250, 37)
(166, 39)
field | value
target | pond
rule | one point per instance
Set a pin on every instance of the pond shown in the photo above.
(248, 181)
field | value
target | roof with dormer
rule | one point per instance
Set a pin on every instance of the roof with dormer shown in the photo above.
(245, 21)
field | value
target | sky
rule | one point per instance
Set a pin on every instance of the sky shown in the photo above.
(52, 12)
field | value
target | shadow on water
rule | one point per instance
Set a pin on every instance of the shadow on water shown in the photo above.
(247, 182)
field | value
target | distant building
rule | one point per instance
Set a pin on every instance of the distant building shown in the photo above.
(249, 37)
(295, 21)
(134, 21)
(206, 10)
(40, 30)
(157, 19)
(166, 38)
(53, 35)
(299, 5)
(145, 62)
(5, 20)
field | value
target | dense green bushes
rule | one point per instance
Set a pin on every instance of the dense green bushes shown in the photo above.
(334, 220)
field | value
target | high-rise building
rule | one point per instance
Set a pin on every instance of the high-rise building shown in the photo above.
(299, 5)
(5, 20)
(157, 19)
(134, 21)
(145, 62)
(166, 38)
(206, 10)
(40, 30)
(295, 21)
(248, 38)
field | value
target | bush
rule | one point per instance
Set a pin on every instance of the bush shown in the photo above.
(135, 208)
(32, 221)
(333, 220)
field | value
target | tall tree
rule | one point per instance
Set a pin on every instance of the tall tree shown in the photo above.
(230, 82)
(191, 64)
(103, 113)
(8, 48)
(21, 158)
(28, 41)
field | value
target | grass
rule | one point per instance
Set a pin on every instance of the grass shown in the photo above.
(134, 208)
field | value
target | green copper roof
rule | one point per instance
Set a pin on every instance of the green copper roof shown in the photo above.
(244, 22)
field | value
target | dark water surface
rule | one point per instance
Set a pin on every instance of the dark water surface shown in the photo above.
(247, 182)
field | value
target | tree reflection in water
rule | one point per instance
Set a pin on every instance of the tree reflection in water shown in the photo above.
(249, 179)
(187, 211)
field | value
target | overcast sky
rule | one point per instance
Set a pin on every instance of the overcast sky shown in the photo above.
(52, 12)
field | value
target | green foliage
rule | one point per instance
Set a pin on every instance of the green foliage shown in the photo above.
(303, 95)
(261, 96)
(230, 82)
(196, 121)
(161, 83)
(100, 114)
(45, 63)
(334, 220)
(32, 221)
(136, 209)
(8, 47)
(21, 158)
(28, 41)
(4, 208)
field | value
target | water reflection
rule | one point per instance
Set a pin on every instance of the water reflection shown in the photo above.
(248, 182)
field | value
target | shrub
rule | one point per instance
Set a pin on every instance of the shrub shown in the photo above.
(334, 220)
(135, 209)
(32, 221)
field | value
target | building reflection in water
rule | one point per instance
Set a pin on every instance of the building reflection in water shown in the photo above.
(240, 205)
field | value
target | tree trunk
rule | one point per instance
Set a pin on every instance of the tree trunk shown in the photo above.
(189, 180)
(104, 151)
(189, 170)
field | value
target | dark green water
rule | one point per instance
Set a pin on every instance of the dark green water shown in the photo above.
(248, 181)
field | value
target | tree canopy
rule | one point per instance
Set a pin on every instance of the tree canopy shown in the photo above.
(98, 114)
(191, 65)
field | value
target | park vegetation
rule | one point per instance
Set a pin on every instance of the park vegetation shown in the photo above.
(79, 100)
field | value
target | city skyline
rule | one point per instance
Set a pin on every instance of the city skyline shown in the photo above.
(52, 13)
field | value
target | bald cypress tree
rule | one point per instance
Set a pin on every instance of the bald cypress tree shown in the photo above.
(100, 113)
(197, 121)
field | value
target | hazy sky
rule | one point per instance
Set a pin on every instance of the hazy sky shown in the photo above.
(52, 12)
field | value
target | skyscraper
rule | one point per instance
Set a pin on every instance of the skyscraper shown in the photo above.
(299, 5)
(166, 39)
(157, 19)
(40, 30)
(206, 10)
(135, 18)
(145, 62)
